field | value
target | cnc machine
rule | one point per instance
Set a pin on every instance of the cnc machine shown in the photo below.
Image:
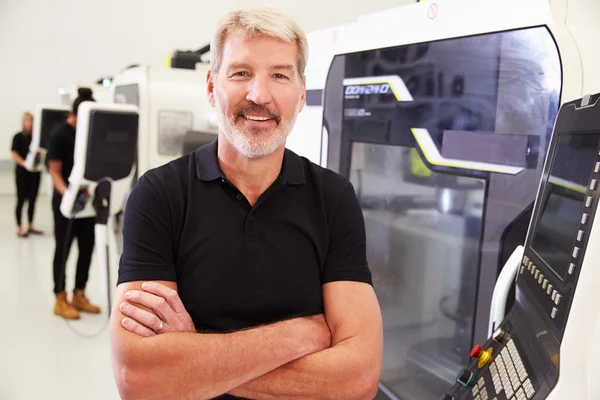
(441, 115)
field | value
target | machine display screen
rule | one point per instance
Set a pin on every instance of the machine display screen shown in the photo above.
(112, 145)
(50, 119)
(556, 231)
(557, 226)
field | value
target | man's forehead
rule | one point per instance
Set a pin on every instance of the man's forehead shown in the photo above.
(240, 49)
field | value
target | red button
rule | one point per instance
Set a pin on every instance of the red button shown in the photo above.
(476, 351)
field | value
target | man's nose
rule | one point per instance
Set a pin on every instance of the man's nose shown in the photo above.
(259, 92)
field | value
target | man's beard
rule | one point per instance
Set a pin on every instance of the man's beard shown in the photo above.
(256, 142)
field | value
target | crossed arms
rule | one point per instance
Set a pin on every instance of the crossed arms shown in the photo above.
(334, 356)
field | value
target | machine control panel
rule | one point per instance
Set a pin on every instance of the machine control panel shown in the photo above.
(508, 374)
(521, 359)
(497, 372)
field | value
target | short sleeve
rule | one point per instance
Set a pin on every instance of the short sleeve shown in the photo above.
(347, 253)
(55, 148)
(15, 143)
(148, 251)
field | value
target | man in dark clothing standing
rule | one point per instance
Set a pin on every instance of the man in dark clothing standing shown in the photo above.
(28, 183)
(61, 153)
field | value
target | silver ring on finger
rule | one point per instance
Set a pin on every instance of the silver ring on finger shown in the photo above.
(159, 327)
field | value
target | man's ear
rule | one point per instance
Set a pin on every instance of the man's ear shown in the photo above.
(210, 87)
(303, 94)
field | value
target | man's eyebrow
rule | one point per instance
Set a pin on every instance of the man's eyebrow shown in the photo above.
(247, 66)
(238, 66)
(283, 66)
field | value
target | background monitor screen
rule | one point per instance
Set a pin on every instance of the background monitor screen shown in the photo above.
(558, 223)
(50, 119)
(112, 145)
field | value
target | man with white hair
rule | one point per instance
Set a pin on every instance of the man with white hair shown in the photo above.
(244, 270)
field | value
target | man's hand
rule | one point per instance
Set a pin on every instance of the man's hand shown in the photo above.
(164, 304)
(166, 312)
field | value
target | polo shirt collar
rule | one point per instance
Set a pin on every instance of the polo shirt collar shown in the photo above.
(208, 168)
(207, 165)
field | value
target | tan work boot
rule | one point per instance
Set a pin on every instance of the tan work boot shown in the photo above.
(81, 303)
(63, 308)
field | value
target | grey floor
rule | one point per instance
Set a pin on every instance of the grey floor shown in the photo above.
(41, 355)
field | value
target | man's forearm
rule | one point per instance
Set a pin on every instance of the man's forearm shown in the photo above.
(340, 372)
(59, 183)
(203, 366)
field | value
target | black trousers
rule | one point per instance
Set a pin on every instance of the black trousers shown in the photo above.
(28, 185)
(83, 230)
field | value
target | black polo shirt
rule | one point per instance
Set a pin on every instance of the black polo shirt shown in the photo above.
(20, 144)
(62, 148)
(238, 266)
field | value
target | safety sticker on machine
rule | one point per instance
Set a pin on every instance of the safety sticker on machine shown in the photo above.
(172, 127)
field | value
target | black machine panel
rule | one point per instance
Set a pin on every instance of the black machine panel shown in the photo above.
(522, 358)
(111, 145)
(50, 118)
(444, 145)
(194, 139)
(557, 227)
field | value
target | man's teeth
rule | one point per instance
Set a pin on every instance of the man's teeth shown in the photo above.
(253, 118)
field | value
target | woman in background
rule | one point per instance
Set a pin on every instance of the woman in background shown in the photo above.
(28, 183)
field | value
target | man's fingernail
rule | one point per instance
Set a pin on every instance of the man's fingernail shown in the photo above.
(129, 294)
(145, 285)
(124, 306)
(126, 321)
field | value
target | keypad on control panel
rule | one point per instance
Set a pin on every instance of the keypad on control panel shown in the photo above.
(509, 374)
(545, 284)
(480, 391)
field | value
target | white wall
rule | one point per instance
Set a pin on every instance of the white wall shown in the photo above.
(47, 44)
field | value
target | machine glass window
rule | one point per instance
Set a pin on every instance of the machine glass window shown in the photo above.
(444, 143)
(556, 230)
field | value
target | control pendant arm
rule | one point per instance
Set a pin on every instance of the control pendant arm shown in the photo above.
(502, 288)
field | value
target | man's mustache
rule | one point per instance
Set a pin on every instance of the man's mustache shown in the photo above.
(256, 109)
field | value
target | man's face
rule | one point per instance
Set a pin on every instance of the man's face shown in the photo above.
(257, 93)
(27, 124)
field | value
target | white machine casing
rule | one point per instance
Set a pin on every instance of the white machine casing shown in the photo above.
(36, 136)
(171, 102)
(77, 181)
(306, 138)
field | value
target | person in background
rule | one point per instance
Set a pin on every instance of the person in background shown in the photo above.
(60, 157)
(28, 183)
